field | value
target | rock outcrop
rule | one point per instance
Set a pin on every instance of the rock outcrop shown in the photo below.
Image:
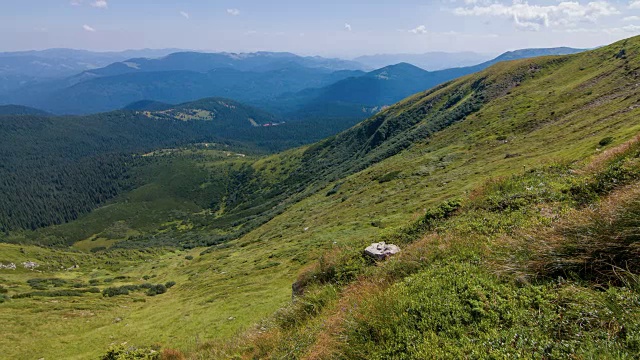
(381, 250)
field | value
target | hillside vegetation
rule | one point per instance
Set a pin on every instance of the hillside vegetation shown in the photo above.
(503, 189)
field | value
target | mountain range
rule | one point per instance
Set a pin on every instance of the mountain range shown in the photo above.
(293, 86)
(361, 96)
(18, 69)
(430, 61)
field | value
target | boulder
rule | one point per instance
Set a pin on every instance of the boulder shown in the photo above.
(30, 265)
(381, 251)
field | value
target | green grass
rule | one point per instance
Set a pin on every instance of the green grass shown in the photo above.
(550, 116)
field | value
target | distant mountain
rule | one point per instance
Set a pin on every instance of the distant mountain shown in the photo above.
(367, 94)
(114, 92)
(283, 83)
(430, 61)
(20, 110)
(204, 62)
(176, 77)
(21, 68)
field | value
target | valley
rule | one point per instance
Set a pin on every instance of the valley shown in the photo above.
(458, 175)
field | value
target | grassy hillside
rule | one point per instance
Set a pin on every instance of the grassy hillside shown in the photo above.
(361, 96)
(465, 177)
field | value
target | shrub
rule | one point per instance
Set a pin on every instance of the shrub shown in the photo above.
(98, 249)
(157, 290)
(189, 257)
(3, 290)
(3, 298)
(606, 141)
(115, 291)
(125, 352)
(43, 284)
(170, 284)
(56, 293)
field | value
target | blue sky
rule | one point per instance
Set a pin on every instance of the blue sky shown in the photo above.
(346, 28)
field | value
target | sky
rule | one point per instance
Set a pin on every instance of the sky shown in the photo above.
(339, 28)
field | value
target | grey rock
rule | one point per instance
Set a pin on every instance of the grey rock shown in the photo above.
(381, 250)
(30, 265)
(10, 266)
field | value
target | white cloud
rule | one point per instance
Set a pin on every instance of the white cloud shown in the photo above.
(233, 12)
(100, 4)
(347, 27)
(88, 28)
(419, 30)
(631, 28)
(634, 4)
(624, 30)
(184, 14)
(76, 2)
(534, 17)
(631, 18)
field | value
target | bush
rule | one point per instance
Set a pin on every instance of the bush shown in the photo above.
(125, 352)
(3, 298)
(606, 141)
(56, 293)
(43, 284)
(170, 284)
(152, 290)
(189, 257)
(115, 291)
(157, 290)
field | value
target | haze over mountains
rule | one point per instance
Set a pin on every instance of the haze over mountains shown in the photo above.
(20, 68)
(430, 61)
(285, 83)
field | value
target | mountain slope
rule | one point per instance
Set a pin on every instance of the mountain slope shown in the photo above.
(361, 96)
(20, 110)
(520, 143)
(58, 168)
